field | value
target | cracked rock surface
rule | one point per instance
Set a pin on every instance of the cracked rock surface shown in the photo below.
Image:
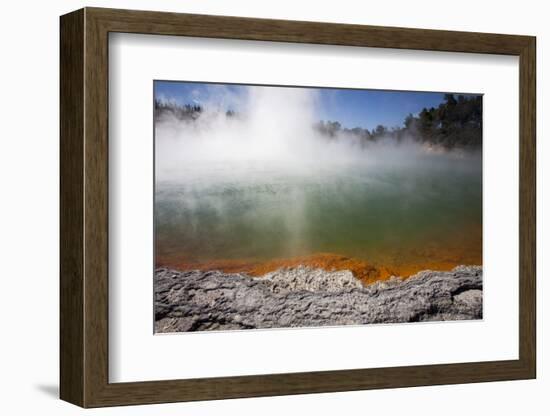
(304, 297)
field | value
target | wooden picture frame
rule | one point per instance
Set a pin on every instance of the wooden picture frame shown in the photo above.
(84, 207)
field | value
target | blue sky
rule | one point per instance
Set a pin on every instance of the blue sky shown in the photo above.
(352, 108)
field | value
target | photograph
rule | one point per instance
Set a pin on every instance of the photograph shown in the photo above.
(294, 207)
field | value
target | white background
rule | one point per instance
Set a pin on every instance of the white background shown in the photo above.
(136, 355)
(29, 217)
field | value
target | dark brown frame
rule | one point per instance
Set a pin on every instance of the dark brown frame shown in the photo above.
(84, 210)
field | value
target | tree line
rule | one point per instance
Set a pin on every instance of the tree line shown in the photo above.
(455, 123)
(181, 112)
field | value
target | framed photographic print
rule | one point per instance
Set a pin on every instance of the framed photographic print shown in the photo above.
(255, 207)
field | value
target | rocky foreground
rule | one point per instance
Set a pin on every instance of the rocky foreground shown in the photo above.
(305, 297)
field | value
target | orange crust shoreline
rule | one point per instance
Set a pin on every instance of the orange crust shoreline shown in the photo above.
(366, 272)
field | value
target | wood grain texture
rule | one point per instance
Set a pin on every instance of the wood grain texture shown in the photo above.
(225, 27)
(96, 209)
(84, 207)
(527, 207)
(71, 213)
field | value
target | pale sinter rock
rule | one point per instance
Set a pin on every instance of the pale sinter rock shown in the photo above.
(305, 297)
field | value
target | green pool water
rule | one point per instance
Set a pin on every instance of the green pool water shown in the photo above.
(379, 212)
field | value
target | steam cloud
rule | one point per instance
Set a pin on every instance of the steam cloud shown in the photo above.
(274, 127)
(266, 182)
